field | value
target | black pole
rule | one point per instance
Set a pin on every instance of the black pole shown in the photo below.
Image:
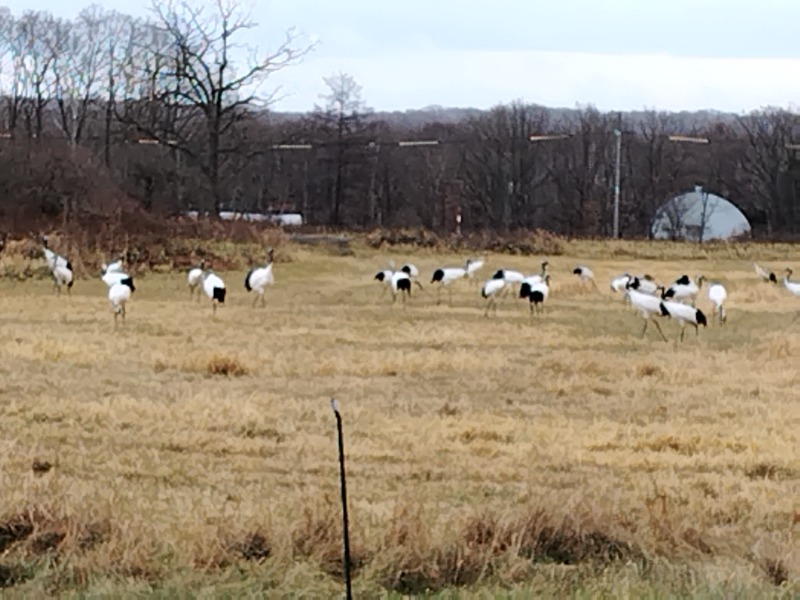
(342, 479)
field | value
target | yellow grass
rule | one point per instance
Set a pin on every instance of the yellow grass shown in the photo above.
(547, 456)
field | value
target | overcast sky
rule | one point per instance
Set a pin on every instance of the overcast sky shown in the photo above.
(733, 55)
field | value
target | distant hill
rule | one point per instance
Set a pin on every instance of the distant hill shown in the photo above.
(414, 118)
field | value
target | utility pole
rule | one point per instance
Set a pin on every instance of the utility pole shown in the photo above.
(617, 168)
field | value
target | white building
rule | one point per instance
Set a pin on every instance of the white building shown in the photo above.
(278, 218)
(699, 216)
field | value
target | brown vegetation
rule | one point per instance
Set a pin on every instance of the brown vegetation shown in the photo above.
(94, 131)
(545, 456)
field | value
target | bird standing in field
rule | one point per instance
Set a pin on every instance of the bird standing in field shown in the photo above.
(717, 294)
(400, 283)
(385, 278)
(684, 314)
(60, 268)
(118, 295)
(194, 277)
(473, 266)
(648, 306)
(510, 277)
(413, 272)
(397, 281)
(682, 289)
(792, 286)
(489, 291)
(113, 267)
(259, 278)
(618, 284)
(445, 276)
(766, 275)
(585, 274)
(214, 288)
(537, 293)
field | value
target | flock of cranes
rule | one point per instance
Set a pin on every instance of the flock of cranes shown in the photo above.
(121, 287)
(646, 296)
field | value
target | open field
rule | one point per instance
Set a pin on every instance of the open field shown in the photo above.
(547, 456)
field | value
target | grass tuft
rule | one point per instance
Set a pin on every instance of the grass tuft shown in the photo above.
(227, 366)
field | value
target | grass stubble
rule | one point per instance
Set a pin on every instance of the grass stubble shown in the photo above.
(559, 455)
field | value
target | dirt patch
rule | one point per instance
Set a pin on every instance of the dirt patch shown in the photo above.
(15, 530)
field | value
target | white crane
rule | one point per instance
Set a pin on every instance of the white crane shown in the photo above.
(113, 277)
(118, 295)
(397, 281)
(384, 277)
(684, 314)
(400, 283)
(259, 278)
(527, 282)
(648, 306)
(683, 288)
(194, 277)
(113, 267)
(413, 272)
(473, 266)
(792, 286)
(537, 293)
(648, 285)
(489, 290)
(618, 283)
(214, 288)
(509, 276)
(446, 276)
(60, 268)
(585, 274)
(765, 274)
(717, 294)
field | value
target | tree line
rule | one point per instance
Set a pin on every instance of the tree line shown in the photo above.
(168, 114)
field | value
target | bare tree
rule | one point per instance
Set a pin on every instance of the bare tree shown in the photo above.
(343, 116)
(196, 79)
(581, 172)
(502, 169)
(652, 167)
(764, 162)
(77, 67)
(119, 46)
(34, 30)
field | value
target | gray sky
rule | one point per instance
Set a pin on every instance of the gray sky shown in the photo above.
(733, 55)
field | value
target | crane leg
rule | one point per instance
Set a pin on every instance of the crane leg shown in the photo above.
(658, 326)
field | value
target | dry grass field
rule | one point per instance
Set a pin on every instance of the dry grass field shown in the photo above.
(560, 455)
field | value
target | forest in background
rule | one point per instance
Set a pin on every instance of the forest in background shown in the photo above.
(108, 115)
